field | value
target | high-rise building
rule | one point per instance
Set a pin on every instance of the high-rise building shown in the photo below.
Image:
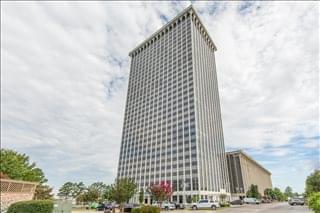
(172, 125)
(244, 171)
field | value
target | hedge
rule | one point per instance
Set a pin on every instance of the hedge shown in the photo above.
(32, 206)
(146, 209)
(224, 205)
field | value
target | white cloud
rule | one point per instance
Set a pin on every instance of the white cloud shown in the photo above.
(65, 68)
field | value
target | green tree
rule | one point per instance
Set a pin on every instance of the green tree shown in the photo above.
(71, 190)
(288, 191)
(122, 190)
(253, 192)
(96, 191)
(313, 183)
(141, 196)
(18, 167)
(43, 192)
(195, 198)
(277, 194)
(268, 193)
(107, 194)
(222, 197)
(314, 202)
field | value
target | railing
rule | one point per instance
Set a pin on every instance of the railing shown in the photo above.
(16, 186)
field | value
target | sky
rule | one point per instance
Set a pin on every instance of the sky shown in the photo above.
(65, 68)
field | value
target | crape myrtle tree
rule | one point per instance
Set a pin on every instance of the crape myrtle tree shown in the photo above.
(161, 191)
(122, 190)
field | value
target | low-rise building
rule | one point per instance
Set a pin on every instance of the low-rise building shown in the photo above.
(244, 171)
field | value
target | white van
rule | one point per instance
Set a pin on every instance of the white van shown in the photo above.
(251, 200)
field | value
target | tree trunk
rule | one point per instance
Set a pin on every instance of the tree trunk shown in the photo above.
(121, 206)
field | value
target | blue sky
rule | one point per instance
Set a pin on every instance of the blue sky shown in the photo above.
(65, 67)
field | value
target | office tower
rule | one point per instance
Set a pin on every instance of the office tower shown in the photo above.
(244, 171)
(172, 126)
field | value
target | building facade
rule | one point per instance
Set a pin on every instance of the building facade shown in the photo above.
(172, 125)
(244, 171)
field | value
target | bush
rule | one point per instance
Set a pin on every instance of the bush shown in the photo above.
(224, 205)
(314, 202)
(32, 206)
(146, 209)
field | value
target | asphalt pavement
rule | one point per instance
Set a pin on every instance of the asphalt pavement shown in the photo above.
(262, 208)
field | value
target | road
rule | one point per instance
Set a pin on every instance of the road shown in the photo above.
(263, 208)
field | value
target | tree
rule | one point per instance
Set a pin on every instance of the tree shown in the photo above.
(277, 194)
(313, 183)
(195, 198)
(122, 190)
(96, 191)
(141, 196)
(161, 192)
(71, 190)
(288, 191)
(43, 192)
(253, 192)
(314, 202)
(107, 194)
(268, 193)
(18, 167)
(222, 197)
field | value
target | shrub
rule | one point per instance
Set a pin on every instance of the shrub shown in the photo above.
(146, 209)
(32, 206)
(314, 202)
(224, 205)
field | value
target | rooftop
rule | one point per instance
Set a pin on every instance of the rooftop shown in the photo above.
(241, 152)
(188, 10)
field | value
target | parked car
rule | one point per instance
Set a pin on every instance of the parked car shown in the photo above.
(100, 207)
(179, 205)
(296, 201)
(129, 206)
(251, 200)
(165, 205)
(201, 204)
(265, 201)
(109, 206)
(92, 205)
(236, 202)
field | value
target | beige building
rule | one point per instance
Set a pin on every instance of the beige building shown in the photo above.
(244, 171)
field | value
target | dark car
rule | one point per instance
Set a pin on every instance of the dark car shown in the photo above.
(236, 202)
(129, 206)
(179, 205)
(109, 206)
(296, 201)
(101, 207)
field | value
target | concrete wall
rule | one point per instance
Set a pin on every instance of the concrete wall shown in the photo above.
(254, 174)
(244, 171)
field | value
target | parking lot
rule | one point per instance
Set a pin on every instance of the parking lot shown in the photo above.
(263, 208)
